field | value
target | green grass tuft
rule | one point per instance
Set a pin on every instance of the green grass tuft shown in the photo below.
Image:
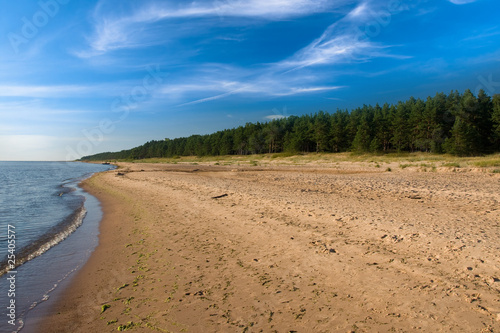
(127, 326)
(488, 163)
(105, 307)
(123, 286)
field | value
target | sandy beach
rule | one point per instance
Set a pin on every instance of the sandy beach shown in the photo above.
(198, 248)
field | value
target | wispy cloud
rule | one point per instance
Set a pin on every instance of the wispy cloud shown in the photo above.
(257, 86)
(36, 109)
(342, 42)
(462, 2)
(486, 34)
(209, 99)
(268, 9)
(360, 12)
(307, 90)
(110, 89)
(41, 91)
(137, 28)
(330, 48)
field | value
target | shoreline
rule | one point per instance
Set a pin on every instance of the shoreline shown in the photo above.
(287, 251)
(51, 239)
(70, 296)
(69, 256)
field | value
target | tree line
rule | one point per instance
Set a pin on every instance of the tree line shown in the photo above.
(459, 124)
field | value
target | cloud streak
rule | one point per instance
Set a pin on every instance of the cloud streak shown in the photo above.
(267, 9)
(342, 42)
(259, 86)
(42, 91)
(461, 2)
(137, 28)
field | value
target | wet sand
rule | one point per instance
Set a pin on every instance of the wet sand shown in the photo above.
(289, 249)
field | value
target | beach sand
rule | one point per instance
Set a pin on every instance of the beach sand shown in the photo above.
(289, 249)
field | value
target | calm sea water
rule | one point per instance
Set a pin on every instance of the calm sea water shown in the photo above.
(56, 227)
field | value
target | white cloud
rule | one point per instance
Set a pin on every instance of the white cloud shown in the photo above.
(461, 2)
(41, 91)
(261, 85)
(136, 29)
(209, 99)
(306, 90)
(359, 12)
(342, 42)
(268, 9)
(107, 89)
(329, 49)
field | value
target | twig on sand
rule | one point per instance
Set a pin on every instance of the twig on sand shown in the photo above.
(220, 196)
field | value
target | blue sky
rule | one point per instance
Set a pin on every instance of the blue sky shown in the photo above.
(83, 77)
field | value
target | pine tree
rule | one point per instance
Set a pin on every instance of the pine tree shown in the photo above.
(351, 129)
(417, 139)
(465, 138)
(400, 128)
(381, 130)
(321, 131)
(226, 143)
(240, 141)
(338, 125)
(273, 136)
(256, 142)
(495, 119)
(363, 139)
(482, 120)
(302, 134)
(460, 142)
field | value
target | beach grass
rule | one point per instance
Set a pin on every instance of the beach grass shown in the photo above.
(395, 160)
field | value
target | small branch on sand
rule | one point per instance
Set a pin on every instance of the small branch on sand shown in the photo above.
(220, 196)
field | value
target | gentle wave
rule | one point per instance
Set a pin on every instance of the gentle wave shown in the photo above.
(48, 240)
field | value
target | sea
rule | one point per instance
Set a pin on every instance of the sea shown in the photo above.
(49, 227)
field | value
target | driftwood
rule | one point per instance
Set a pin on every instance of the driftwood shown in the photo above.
(220, 196)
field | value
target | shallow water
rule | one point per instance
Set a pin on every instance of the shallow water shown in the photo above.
(42, 201)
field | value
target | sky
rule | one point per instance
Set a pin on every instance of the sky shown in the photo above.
(83, 77)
